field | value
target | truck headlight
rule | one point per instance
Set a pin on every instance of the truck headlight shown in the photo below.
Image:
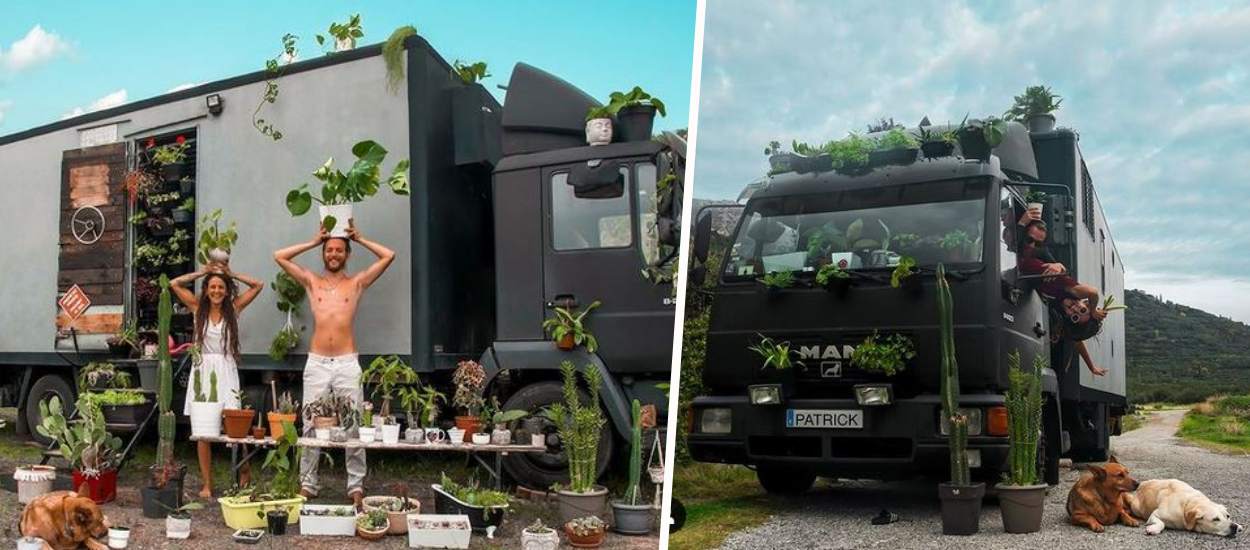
(974, 421)
(716, 421)
(765, 394)
(874, 394)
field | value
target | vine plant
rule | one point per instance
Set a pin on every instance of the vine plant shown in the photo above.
(273, 68)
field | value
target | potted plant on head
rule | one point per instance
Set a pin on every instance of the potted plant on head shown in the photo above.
(537, 536)
(1036, 200)
(961, 499)
(1035, 107)
(339, 190)
(470, 379)
(585, 532)
(978, 137)
(395, 507)
(86, 444)
(214, 244)
(635, 113)
(632, 514)
(894, 147)
(484, 507)
(171, 158)
(580, 423)
(164, 493)
(598, 126)
(239, 421)
(386, 374)
(205, 409)
(568, 330)
(1020, 495)
(178, 520)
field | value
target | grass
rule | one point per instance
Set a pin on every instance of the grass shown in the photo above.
(719, 500)
(1131, 422)
(1219, 423)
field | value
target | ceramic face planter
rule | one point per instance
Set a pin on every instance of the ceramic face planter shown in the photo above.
(599, 131)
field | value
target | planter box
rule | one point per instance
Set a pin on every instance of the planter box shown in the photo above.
(438, 531)
(239, 513)
(481, 518)
(127, 414)
(327, 525)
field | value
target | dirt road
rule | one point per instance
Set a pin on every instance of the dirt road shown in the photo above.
(837, 514)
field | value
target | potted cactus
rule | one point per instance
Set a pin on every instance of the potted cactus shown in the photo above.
(632, 514)
(164, 493)
(961, 499)
(578, 423)
(1020, 495)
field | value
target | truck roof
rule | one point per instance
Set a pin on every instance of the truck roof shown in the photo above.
(946, 168)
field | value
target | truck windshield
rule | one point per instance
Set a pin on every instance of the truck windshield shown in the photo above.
(855, 230)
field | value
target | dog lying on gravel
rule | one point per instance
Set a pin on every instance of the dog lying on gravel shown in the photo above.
(65, 521)
(1097, 499)
(1173, 504)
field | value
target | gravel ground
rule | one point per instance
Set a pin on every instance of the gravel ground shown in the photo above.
(837, 515)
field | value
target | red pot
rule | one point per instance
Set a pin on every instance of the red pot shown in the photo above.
(593, 540)
(566, 343)
(99, 489)
(470, 425)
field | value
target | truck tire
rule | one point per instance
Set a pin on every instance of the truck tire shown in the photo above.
(784, 480)
(1050, 444)
(540, 471)
(43, 388)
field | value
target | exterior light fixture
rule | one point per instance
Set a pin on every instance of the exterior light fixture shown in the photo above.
(215, 103)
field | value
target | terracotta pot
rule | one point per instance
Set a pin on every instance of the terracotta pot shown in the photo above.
(258, 432)
(324, 422)
(593, 540)
(566, 343)
(276, 420)
(470, 425)
(370, 535)
(238, 421)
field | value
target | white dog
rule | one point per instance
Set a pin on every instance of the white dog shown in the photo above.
(1173, 504)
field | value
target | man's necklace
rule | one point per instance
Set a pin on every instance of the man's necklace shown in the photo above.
(332, 289)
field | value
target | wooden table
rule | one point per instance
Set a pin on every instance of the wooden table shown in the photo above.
(243, 448)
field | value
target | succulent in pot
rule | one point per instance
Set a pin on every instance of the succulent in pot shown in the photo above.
(372, 525)
(396, 508)
(585, 532)
(537, 536)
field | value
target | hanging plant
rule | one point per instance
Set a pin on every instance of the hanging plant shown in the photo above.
(393, 54)
(273, 67)
(290, 296)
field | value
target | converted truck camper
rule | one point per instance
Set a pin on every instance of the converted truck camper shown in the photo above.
(477, 272)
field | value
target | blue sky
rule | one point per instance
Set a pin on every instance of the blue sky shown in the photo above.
(62, 58)
(1159, 93)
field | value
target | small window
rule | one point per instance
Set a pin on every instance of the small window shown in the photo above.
(1087, 200)
(648, 206)
(579, 223)
(1008, 226)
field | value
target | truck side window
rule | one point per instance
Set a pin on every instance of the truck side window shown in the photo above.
(648, 233)
(579, 223)
(1008, 222)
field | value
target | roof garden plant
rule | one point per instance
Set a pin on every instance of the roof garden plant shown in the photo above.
(896, 138)
(634, 98)
(851, 152)
(360, 182)
(1035, 101)
(470, 73)
(343, 34)
(393, 55)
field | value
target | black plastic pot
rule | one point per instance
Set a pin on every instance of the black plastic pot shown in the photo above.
(127, 414)
(892, 157)
(631, 519)
(480, 518)
(182, 216)
(936, 149)
(961, 508)
(808, 165)
(634, 123)
(973, 145)
(157, 503)
(276, 520)
(1022, 507)
(173, 172)
(838, 285)
(119, 348)
(186, 187)
(911, 284)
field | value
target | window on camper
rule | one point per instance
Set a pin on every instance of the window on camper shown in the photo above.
(579, 223)
(1008, 228)
(648, 233)
(865, 229)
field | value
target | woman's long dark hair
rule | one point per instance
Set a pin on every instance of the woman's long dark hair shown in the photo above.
(228, 315)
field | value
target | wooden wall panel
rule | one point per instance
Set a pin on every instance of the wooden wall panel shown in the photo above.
(94, 177)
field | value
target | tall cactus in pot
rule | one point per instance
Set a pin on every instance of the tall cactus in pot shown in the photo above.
(960, 474)
(165, 466)
(635, 454)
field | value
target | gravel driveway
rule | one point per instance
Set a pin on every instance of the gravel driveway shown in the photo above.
(836, 515)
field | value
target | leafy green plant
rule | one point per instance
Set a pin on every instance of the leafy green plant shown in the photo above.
(632, 98)
(284, 342)
(905, 240)
(211, 235)
(472, 73)
(273, 70)
(1109, 304)
(284, 479)
(393, 55)
(773, 148)
(777, 279)
(887, 355)
(1024, 419)
(1034, 196)
(598, 112)
(150, 255)
(360, 182)
(850, 152)
(128, 335)
(290, 296)
(570, 321)
(955, 240)
(775, 354)
(103, 374)
(991, 128)
(472, 494)
(906, 268)
(829, 272)
(578, 423)
(187, 205)
(343, 33)
(115, 398)
(1036, 100)
(366, 414)
(896, 138)
(385, 373)
(805, 149)
(633, 488)
(172, 153)
(373, 520)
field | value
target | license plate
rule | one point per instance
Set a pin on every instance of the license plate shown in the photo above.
(824, 418)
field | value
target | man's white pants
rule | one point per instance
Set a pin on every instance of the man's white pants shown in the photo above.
(322, 373)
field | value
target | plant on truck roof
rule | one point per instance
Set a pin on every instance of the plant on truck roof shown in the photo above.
(850, 152)
(1036, 100)
(886, 355)
(393, 55)
(359, 183)
(471, 73)
(896, 138)
(343, 34)
(633, 98)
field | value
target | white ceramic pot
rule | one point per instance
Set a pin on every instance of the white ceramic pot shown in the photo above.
(177, 528)
(322, 433)
(367, 435)
(599, 131)
(538, 440)
(540, 541)
(328, 524)
(480, 438)
(438, 531)
(149, 351)
(219, 255)
(1036, 206)
(390, 434)
(501, 437)
(344, 45)
(30, 543)
(32, 481)
(119, 537)
(206, 419)
(341, 213)
(414, 435)
(456, 435)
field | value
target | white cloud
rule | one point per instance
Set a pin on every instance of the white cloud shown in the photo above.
(111, 100)
(1210, 295)
(182, 87)
(36, 47)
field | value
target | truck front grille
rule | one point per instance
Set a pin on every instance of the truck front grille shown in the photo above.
(870, 447)
(788, 446)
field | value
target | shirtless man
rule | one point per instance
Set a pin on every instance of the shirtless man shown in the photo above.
(332, 362)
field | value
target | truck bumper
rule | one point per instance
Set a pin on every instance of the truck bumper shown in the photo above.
(897, 441)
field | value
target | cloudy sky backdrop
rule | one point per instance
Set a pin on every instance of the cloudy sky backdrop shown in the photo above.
(1159, 93)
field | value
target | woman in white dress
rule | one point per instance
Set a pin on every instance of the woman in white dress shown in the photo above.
(216, 313)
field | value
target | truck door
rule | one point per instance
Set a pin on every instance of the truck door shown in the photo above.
(597, 242)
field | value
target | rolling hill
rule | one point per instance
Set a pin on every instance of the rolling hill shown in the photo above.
(1181, 354)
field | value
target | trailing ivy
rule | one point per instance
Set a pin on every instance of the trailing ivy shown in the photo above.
(273, 69)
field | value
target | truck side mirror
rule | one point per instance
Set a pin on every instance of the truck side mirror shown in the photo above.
(702, 235)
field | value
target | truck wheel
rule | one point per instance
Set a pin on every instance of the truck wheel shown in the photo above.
(1049, 444)
(542, 470)
(45, 387)
(784, 480)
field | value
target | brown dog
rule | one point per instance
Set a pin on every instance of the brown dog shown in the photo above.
(1097, 499)
(65, 521)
